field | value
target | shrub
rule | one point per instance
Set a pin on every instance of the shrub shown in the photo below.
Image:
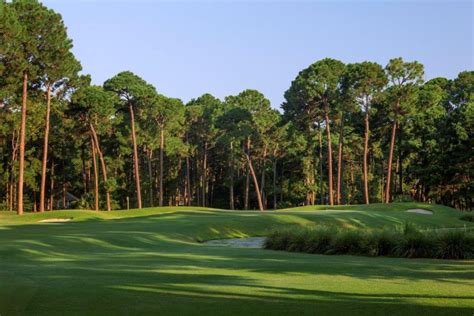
(352, 242)
(455, 244)
(409, 228)
(278, 239)
(320, 240)
(297, 240)
(416, 245)
(467, 218)
(408, 242)
(383, 242)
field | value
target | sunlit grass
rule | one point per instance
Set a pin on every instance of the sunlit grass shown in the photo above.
(149, 262)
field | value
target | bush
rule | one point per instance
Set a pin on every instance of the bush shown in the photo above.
(297, 240)
(278, 239)
(383, 243)
(467, 218)
(455, 245)
(416, 245)
(353, 242)
(320, 240)
(407, 242)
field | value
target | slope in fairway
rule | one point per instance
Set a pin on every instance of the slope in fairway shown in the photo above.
(149, 262)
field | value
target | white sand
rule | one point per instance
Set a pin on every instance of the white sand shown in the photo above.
(420, 211)
(251, 242)
(56, 220)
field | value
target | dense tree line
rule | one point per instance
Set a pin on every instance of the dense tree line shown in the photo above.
(356, 133)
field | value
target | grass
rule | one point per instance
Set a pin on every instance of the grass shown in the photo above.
(148, 262)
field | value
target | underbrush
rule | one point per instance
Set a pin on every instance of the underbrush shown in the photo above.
(407, 242)
(467, 218)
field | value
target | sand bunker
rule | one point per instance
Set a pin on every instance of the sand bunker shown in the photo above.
(56, 220)
(251, 242)
(420, 211)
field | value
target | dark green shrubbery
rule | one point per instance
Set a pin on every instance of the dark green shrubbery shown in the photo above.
(320, 239)
(407, 242)
(467, 218)
(415, 245)
(352, 242)
(383, 242)
(455, 245)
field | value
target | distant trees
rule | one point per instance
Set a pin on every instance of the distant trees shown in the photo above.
(364, 82)
(315, 93)
(61, 137)
(134, 93)
(401, 93)
(36, 45)
(94, 111)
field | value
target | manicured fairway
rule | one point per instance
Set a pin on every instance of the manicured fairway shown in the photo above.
(149, 262)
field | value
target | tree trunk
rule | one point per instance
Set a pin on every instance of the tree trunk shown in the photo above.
(51, 193)
(188, 182)
(247, 188)
(390, 158)
(321, 191)
(400, 160)
(211, 193)
(88, 175)
(382, 182)
(104, 167)
(64, 193)
(45, 150)
(150, 175)
(204, 175)
(339, 161)
(231, 168)
(366, 156)
(96, 176)
(274, 183)
(12, 170)
(198, 179)
(135, 158)
(328, 132)
(162, 149)
(21, 173)
(84, 172)
(262, 181)
(254, 176)
(247, 178)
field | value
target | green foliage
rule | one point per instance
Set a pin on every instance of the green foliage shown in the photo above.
(467, 218)
(455, 245)
(407, 242)
(205, 141)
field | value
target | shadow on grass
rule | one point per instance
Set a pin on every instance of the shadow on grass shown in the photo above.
(152, 265)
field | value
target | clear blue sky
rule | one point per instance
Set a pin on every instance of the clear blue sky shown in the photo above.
(188, 48)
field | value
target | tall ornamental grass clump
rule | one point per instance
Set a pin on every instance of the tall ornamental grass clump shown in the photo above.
(455, 245)
(467, 217)
(406, 242)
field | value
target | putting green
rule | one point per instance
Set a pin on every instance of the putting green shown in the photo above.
(150, 262)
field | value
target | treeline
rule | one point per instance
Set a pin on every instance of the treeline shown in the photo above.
(356, 133)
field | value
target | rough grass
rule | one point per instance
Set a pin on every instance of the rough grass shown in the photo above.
(148, 262)
(467, 217)
(405, 242)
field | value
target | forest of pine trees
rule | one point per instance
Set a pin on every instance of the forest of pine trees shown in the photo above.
(345, 134)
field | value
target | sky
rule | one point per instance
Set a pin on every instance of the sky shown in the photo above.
(188, 48)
